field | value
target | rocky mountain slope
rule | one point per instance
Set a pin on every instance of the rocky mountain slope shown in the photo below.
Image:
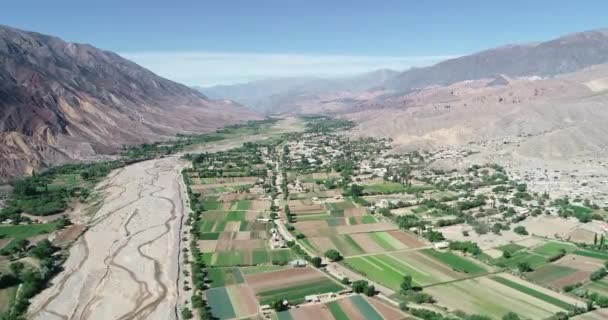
(62, 101)
(565, 54)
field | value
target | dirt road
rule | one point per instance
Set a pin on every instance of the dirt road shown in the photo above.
(126, 265)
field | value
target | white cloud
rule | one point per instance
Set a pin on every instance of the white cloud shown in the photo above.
(211, 68)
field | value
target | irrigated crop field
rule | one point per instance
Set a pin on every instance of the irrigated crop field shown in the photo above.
(499, 294)
(569, 270)
(290, 284)
(234, 301)
(535, 256)
(427, 267)
(352, 307)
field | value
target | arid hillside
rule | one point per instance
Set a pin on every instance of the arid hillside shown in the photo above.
(64, 101)
(555, 117)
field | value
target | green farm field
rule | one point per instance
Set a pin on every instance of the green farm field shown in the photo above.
(389, 269)
(26, 231)
(220, 277)
(234, 301)
(237, 258)
(295, 294)
(550, 273)
(600, 287)
(384, 188)
(495, 296)
(457, 263)
(537, 256)
(533, 292)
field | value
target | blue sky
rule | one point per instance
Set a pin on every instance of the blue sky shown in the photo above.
(227, 41)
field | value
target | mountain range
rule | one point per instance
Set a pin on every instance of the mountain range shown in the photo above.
(541, 59)
(63, 101)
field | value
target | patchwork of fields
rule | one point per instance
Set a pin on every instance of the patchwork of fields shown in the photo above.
(387, 217)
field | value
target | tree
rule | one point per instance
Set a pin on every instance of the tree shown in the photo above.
(369, 291)
(186, 313)
(406, 284)
(560, 316)
(333, 255)
(359, 286)
(511, 316)
(598, 274)
(524, 267)
(278, 305)
(16, 268)
(521, 230)
(43, 249)
(356, 190)
(316, 261)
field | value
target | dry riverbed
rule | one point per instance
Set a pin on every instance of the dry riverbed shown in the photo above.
(126, 266)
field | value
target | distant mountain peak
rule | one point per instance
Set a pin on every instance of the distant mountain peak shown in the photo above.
(561, 55)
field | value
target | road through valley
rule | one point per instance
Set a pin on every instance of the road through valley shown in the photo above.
(126, 264)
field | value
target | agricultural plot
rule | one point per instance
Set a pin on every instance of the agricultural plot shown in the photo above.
(246, 180)
(600, 287)
(599, 314)
(217, 186)
(291, 284)
(233, 301)
(339, 206)
(27, 231)
(365, 243)
(384, 188)
(353, 307)
(247, 257)
(315, 194)
(237, 205)
(7, 296)
(495, 296)
(322, 228)
(207, 189)
(261, 269)
(337, 217)
(312, 177)
(219, 277)
(426, 267)
(535, 256)
(230, 221)
(569, 270)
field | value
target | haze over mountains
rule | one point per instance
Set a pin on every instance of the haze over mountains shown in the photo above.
(62, 101)
(275, 95)
(562, 55)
